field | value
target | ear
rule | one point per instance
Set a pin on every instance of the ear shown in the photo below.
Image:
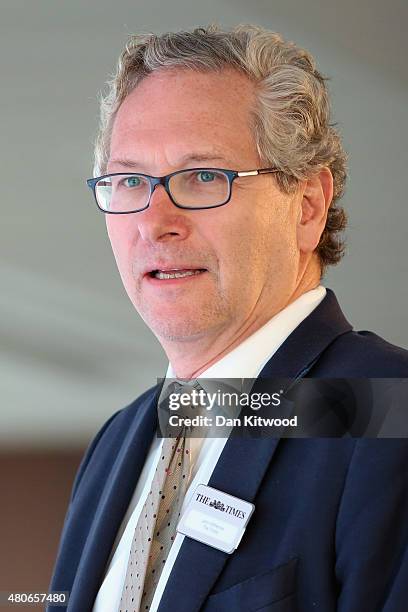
(316, 199)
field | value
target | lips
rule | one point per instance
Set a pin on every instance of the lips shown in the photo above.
(151, 269)
(175, 273)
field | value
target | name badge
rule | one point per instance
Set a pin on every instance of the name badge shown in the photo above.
(216, 518)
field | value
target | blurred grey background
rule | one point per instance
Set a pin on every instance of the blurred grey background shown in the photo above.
(72, 349)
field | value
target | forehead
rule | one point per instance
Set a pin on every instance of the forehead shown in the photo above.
(175, 112)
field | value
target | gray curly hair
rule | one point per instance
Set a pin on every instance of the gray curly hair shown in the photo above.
(291, 120)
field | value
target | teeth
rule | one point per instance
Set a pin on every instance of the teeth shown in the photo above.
(178, 274)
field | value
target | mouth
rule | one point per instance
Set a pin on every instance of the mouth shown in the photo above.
(175, 273)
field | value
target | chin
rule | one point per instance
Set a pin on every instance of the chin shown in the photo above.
(178, 331)
(185, 323)
(180, 328)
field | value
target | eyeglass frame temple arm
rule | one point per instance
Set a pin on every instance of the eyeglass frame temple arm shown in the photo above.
(256, 172)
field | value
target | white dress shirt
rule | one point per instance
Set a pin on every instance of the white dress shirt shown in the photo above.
(245, 361)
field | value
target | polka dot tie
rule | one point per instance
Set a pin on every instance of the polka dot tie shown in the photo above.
(156, 527)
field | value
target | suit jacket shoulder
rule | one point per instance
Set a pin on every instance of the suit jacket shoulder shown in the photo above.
(362, 354)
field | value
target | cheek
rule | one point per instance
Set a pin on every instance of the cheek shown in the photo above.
(239, 244)
(262, 245)
(121, 235)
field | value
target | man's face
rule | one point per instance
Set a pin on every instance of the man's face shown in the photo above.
(182, 119)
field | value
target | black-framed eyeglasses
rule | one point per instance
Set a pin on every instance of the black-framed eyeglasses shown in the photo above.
(195, 188)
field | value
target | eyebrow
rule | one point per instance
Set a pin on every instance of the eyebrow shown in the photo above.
(190, 157)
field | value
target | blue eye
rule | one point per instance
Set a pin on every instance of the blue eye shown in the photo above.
(205, 176)
(132, 181)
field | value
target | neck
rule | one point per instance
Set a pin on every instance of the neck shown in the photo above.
(189, 359)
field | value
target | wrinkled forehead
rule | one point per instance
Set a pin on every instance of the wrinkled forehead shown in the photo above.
(172, 112)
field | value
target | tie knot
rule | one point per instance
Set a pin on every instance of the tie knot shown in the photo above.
(182, 400)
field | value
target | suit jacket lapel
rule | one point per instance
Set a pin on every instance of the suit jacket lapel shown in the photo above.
(303, 347)
(118, 490)
(244, 461)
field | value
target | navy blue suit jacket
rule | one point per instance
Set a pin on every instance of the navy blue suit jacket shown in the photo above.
(330, 526)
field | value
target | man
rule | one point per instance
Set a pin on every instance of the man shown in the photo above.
(224, 263)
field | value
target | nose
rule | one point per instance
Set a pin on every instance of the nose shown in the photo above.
(162, 221)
